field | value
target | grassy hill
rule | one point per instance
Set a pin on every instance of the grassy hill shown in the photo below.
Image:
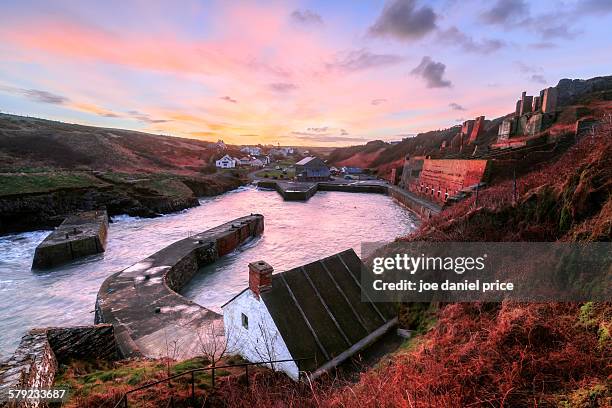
(50, 169)
(31, 143)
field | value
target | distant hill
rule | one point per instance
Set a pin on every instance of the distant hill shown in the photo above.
(31, 142)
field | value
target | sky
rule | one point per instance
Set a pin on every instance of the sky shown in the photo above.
(308, 73)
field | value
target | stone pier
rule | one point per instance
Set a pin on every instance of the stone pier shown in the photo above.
(142, 302)
(78, 236)
(422, 207)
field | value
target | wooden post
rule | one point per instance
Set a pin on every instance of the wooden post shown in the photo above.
(213, 377)
(125, 401)
(246, 370)
(514, 185)
(193, 388)
(299, 370)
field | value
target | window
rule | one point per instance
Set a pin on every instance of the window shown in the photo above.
(245, 321)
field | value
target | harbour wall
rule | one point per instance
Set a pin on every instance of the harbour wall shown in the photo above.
(143, 304)
(423, 208)
(35, 362)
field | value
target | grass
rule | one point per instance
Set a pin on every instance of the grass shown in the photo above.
(29, 183)
(101, 383)
(272, 173)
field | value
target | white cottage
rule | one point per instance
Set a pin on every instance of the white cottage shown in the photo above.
(314, 311)
(226, 162)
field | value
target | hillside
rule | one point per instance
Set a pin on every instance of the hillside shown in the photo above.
(38, 143)
(50, 169)
(578, 99)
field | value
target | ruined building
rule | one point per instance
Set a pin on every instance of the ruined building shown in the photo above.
(532, 115)
(470, 132)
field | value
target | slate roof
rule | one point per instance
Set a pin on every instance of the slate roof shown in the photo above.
(305, 161)
(318, 308)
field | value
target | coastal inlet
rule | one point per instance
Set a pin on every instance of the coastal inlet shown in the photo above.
(296, 233)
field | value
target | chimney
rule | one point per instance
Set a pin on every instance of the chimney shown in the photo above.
(260, 277)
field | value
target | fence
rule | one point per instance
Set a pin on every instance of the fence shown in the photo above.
(124, 399)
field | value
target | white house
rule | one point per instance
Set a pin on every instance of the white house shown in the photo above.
(282, 151)
(252, 150)
(314, 311)
(226, 162)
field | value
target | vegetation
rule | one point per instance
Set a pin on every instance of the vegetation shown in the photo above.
(31, 183)
(102, 384)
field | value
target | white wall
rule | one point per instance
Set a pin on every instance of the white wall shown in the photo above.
(261, 341)
(225, 164)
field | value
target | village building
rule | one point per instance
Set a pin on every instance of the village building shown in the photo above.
(226, 162)
(245, 161)
(311, 169)
(351, 170)
(264, 159)
(282, 151)
(251, 150)
(255, 162)
(220, 145)
(313, 311)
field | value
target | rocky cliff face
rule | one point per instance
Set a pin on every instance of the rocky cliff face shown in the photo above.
(146, 198)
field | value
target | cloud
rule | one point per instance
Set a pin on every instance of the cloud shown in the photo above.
(324, 134)
(432, 72)
(282, 86)
(544, 45)
(456, 106)
(306, 17)
(326, 138)
(228, 99)
(401, 19)
(595, 6)
(357, 60)
(532, 72)
(321, 129)
(143, 117)
(37, 95)
(378, 101)
(527, 69)
(538, 79)
(506, 11)
(558, 31)
(453, 36)
(44, 96)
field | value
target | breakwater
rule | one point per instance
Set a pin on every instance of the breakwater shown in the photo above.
(150, 318)
(302, 191)
(78, 236)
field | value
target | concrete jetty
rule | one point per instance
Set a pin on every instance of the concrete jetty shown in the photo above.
(78, 236)
(302, 191)
(142, 302)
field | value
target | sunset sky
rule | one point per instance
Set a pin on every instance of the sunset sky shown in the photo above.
(316, 72)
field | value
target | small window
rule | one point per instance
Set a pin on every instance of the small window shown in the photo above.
(245, 321)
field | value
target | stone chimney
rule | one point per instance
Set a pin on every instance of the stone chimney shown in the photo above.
(260, 277)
